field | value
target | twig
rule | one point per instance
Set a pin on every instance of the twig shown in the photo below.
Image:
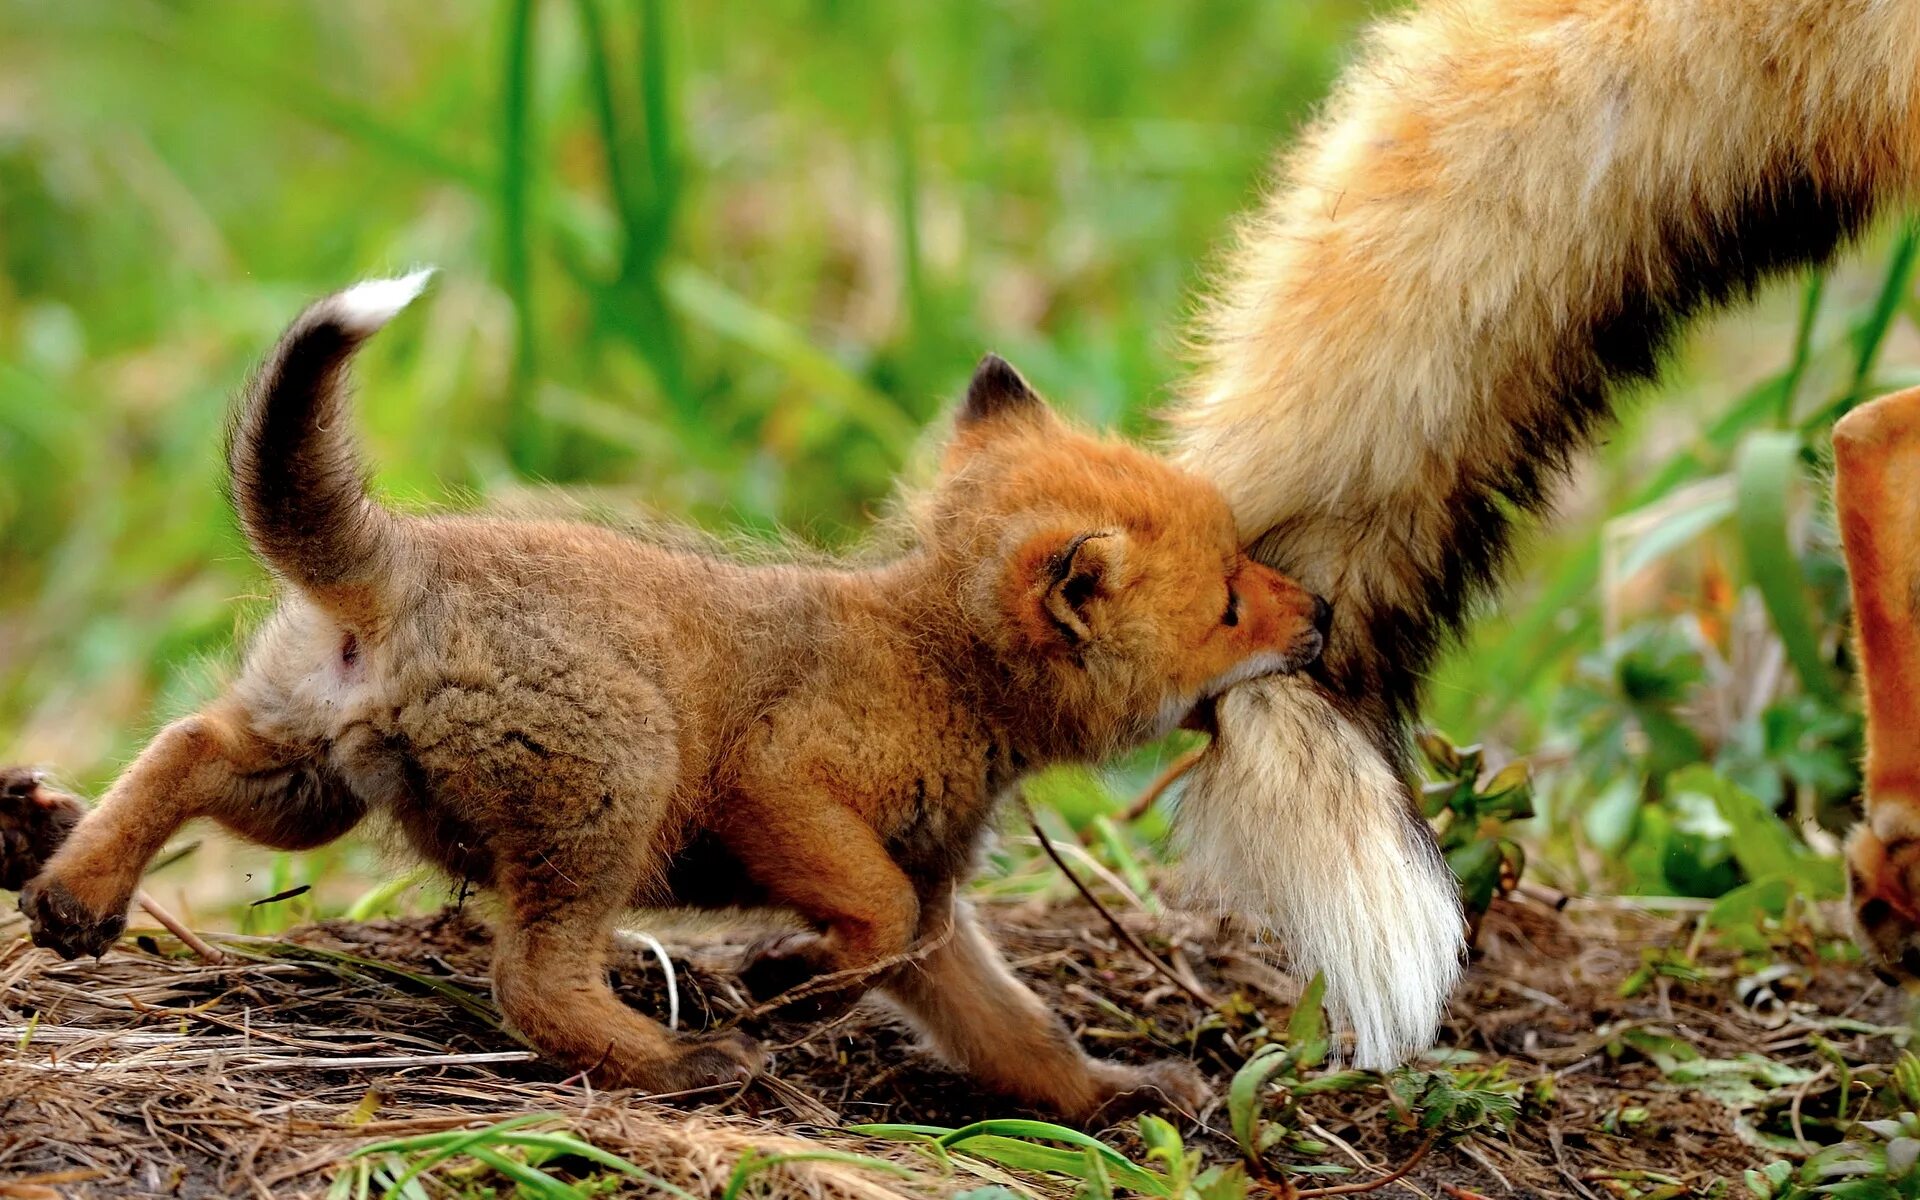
(1158, 788)
(1373, 1185)
(847, 977)
(177, 928)
(1190, 987)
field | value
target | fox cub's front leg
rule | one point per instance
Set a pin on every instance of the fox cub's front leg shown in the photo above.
(1877, 499)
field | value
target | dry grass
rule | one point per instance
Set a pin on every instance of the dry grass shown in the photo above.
(151, 1073)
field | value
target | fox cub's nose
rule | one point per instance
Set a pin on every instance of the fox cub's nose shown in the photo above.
(1322, 615)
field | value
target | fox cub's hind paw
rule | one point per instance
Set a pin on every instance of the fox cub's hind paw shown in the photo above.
(1881, 889)
(64, 925)
(1128, 1091)
(788, 962)
(34, 821)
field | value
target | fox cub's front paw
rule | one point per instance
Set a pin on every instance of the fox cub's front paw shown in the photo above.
(61, 923)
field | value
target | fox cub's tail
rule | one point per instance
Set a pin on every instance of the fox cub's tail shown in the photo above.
(296, 478)
(1505, 210)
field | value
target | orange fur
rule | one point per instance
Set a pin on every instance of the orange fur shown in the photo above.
(588, 721)
(1876, 452)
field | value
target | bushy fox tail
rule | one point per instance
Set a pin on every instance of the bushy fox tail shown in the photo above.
(1504, 212)
(296, 477)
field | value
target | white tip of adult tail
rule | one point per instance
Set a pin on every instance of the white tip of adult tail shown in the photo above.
(365, 307)
(1318, 849)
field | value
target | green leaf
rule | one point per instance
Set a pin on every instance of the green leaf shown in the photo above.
(1228, 1182)
(1243, 1095)
(1097, 1183)
(1307, 1037)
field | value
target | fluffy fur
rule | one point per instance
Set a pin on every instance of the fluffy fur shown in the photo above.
(1506, 209)
(587, 722)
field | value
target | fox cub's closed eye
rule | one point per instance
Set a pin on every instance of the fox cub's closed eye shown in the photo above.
(1232, 615)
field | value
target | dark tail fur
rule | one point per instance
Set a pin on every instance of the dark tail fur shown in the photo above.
(297, 481)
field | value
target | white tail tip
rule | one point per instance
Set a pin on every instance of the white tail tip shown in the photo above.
(365, 307)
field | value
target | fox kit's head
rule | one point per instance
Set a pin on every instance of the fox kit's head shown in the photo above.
(1110, 584)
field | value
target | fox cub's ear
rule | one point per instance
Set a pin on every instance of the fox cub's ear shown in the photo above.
(1058, 582)
(997, 390)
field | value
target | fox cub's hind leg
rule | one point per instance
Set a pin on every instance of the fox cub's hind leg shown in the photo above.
(1877, 499)
(550, 977)
(987, 1023)
(211, 764)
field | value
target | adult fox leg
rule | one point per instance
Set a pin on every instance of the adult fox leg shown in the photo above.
(1876, 452)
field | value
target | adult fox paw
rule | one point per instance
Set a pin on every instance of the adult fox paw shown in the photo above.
(1882, 874)
(62, 924)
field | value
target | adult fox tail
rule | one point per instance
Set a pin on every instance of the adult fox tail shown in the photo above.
(1505, 210)
(294, 472)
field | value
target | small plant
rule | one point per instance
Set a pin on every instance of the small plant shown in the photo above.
(1456, 1102)
(1472, 818)
(1263, 1101)
(1879, 1161)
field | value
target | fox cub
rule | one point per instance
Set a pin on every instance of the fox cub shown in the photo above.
(591, 723)
(1876, 459)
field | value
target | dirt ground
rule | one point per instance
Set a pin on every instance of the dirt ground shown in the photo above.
(150, 1073)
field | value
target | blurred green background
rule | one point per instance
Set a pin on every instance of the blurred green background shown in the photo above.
(726, 261)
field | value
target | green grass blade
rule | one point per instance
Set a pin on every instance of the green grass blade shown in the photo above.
(451, 1137)
(707, 301)
(1765, 469)
(561, 1143)
(753, 1163)
(1796, 370)
(532, 1179)
(513, 212)
(613, 136)
(375, 900)
(657, 111)
(1886, 307)
(1011, 1143)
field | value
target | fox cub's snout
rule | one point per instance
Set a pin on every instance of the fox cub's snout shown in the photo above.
(588, 721)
